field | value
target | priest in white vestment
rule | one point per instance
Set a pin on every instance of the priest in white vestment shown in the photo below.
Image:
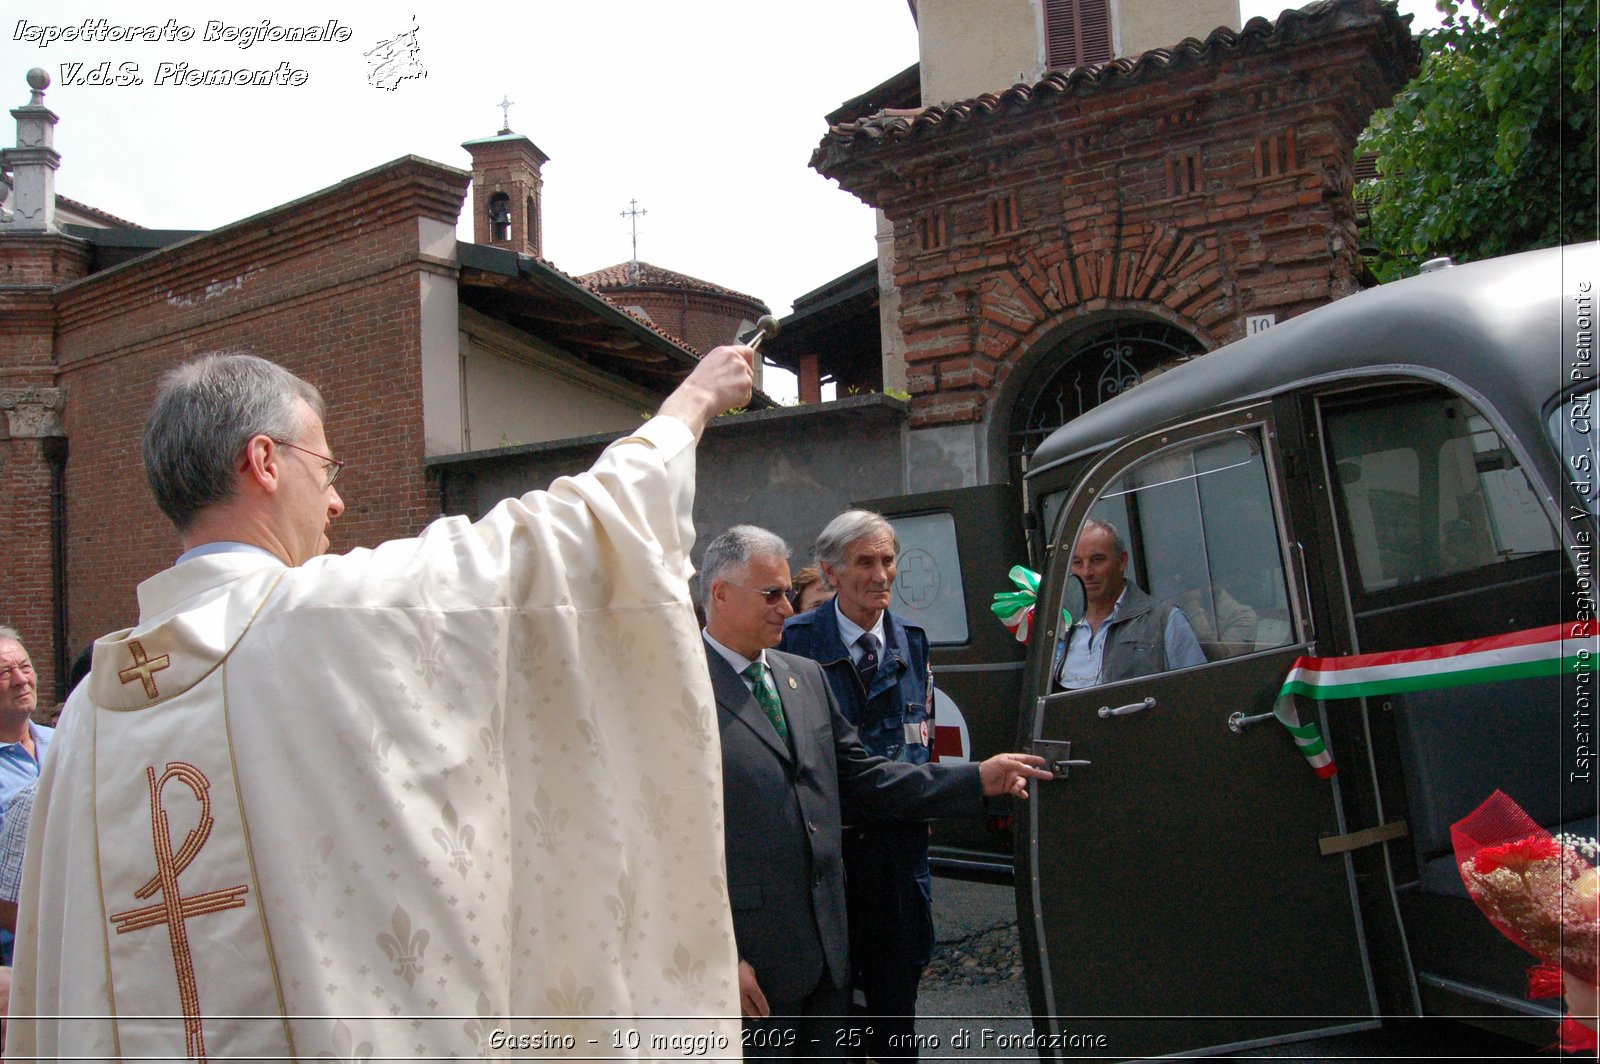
(457, 796)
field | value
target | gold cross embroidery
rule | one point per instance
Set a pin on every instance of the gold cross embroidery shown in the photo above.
(175, 909)
(143, 669)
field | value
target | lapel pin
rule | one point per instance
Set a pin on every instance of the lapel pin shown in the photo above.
(792, 685)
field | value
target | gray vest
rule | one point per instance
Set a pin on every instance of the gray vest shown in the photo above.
(1136, 643)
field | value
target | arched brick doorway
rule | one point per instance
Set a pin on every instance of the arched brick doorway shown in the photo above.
(1100, 359)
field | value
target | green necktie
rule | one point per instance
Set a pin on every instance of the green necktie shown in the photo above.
(767, 697)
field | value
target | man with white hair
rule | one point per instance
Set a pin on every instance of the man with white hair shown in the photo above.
(378, 804)
(877, 666)
(22, 741)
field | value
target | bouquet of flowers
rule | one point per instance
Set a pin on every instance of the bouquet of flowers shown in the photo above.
(1541, 891)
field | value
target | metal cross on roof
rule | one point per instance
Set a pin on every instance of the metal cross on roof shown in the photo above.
(505, 114)
(632, 214)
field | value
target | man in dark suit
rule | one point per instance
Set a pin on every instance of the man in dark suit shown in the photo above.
(787, 755)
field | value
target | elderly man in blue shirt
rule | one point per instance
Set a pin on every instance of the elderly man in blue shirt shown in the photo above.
(22, 742)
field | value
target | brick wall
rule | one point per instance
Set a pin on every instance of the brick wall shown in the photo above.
(702, 320)
(30, 266)
(1207, 186)
(25, 583)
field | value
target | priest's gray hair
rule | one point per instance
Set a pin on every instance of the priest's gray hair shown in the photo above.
(8, 632)
(731, 550)
(204, 414)
(850, 527)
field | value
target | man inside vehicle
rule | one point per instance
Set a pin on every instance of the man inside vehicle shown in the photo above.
(1123, 632)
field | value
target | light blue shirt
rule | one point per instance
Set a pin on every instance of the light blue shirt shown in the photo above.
(223, 546)
(1086, 647)
(18, 768)
(850, 631)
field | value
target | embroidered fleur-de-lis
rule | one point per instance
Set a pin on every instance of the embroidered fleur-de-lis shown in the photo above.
(376, 755)
(570, 999)
(622, 904)
(686, 971)
(616, 646)
(547, 821)
(345, 1047)
(427, 655)
(490, 737)
(311, 873)
(527, 648)
(591, 735)
(405, 947)
(482, 1029)
(455, 839)
(654, 808)
(511, 924)
(693, 720)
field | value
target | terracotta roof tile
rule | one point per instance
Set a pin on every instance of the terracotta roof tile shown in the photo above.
(635, 275)
(96, 212)
(1293, 27)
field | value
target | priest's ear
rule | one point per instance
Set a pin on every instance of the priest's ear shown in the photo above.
(259, 463)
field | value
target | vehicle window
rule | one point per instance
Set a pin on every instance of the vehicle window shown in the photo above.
(927, 587)
(1202, 535)
(1572, 429)
(1052, 509)
(1428, 489)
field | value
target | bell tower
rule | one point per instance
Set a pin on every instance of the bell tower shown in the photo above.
(506, 186)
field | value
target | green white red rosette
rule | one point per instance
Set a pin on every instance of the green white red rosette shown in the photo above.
(1015, 608)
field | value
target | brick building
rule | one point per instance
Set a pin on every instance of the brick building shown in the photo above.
(701, 314)
(423, 347)
(1049, 243)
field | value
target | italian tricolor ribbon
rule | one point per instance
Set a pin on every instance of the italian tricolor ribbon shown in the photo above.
(1548, 651)
(1015, 608)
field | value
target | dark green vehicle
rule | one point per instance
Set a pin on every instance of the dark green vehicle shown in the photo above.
(1397, 473)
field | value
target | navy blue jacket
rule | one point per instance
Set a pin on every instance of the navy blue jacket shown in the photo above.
(898, 702)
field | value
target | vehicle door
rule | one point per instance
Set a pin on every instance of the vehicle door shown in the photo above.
(1437, 537)
(1171, 888)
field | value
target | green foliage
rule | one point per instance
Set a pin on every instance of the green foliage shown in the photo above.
(1491, 149)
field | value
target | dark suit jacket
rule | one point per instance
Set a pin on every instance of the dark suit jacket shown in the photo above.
(781, 817)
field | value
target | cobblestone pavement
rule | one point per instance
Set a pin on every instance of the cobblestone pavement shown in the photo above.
(974, 982)
(980, 958)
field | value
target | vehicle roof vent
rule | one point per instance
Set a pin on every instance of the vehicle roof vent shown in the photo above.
(1443, 262)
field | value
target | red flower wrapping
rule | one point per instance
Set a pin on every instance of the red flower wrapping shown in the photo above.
(1541, 891)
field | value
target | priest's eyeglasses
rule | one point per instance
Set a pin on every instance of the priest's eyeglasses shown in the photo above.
(331, 470)
(771, 595)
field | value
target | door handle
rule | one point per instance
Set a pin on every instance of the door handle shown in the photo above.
(1057, 756)
(1238, 722)
(1131, 707)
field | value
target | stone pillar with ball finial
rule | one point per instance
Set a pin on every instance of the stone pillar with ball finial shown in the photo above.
(32, 163)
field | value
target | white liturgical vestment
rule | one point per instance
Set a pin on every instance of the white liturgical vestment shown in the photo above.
(457, 796)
